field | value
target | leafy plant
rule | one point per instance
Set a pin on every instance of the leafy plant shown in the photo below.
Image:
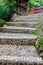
(40, 43)
(38, 31)
(12, 5)
(6, 8)
(35, 3)
(2, 21)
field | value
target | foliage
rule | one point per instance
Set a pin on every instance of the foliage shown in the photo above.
(2, 21)
(40, 43)
(35, 3)
(12, 5)
(6, 8)
(38, 31)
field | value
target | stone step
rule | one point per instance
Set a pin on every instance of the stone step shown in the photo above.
(16, 29)
(30, 16)
(29, 19)
(17, 38)
(19, 53)
(26, 18)
(16, 63)
(22, 24)
(24, 21)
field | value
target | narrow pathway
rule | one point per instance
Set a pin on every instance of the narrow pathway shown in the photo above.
(17, 41)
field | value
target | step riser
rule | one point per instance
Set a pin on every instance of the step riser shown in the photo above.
(9, 63)
(17, 30)
(34, 20)
(17, 38)
(16, 41)
(31, 16)
(24, 20)
(20, 24)
(29, 19)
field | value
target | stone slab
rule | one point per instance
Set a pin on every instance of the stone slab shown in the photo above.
(32, 15)
(16, 63)
(29, 17)
(16, 29)
(24, 19)
(17, 38)
(19, 53)
(22, 24)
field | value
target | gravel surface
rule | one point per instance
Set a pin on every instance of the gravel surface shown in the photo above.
(19, 53)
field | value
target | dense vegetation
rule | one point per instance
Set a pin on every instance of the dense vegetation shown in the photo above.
(7, 7)
(35, 3)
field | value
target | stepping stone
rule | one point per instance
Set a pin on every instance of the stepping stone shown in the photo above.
(17, 38)
(19, 53)
(16, 29)
(24, 24)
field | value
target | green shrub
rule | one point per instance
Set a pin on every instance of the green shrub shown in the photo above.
(40, 43)
(2, 21)
(6, 9)
(12, 5)
(35, 3)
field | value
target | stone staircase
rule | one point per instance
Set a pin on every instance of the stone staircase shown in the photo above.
(17, 41)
